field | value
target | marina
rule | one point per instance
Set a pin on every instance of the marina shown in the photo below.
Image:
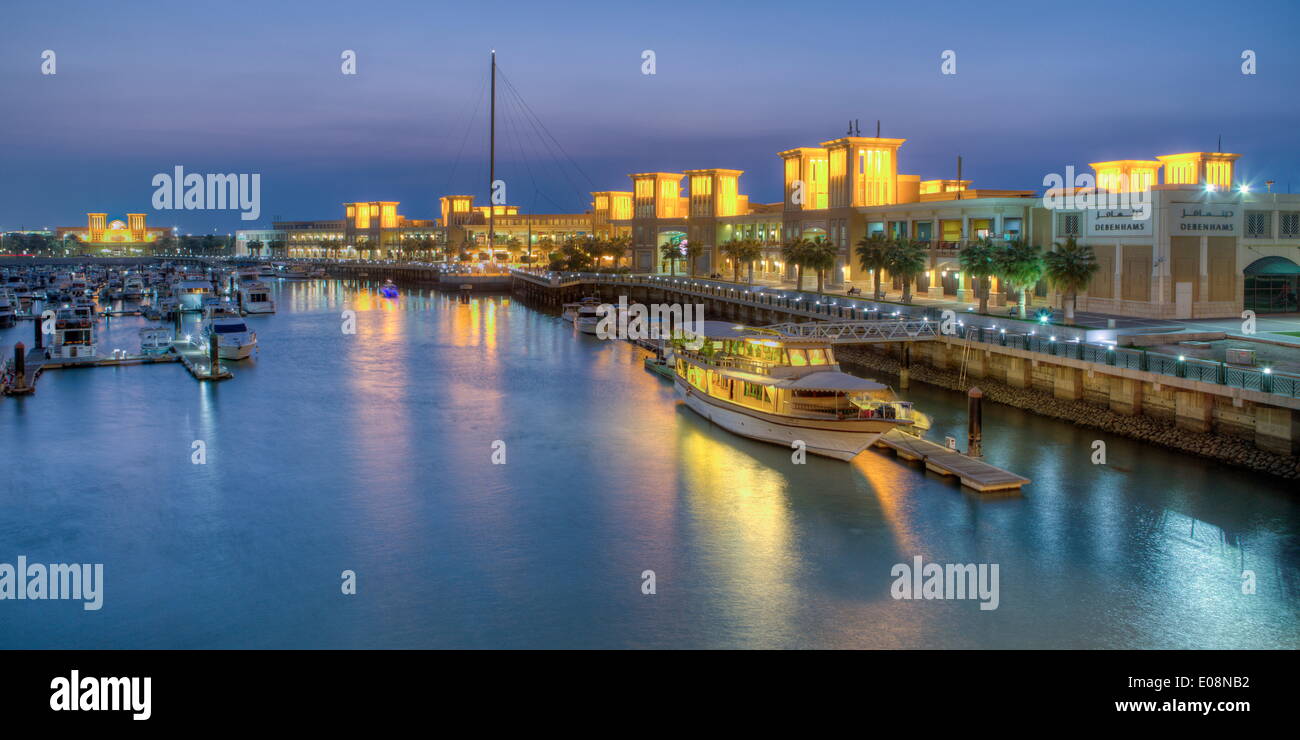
(511, 341)
(738, 526)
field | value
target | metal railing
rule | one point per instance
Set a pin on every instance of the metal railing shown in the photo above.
(1190, 368)
(865, 312)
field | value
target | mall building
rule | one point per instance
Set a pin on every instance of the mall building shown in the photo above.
(116, 236)
(1205, 245)
(377, 230)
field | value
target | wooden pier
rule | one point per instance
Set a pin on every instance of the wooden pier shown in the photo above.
(198, 362)
(190, 355)
(973, 472)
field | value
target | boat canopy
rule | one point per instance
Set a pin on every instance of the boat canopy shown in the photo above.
(832, 381)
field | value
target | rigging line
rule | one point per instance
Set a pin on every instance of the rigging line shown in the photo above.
(472, 117)
(513, 128)
(551, 151)
(547, 147)
(543, 127)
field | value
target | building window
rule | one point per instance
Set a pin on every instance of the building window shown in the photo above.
(1289, 225)
(1067, 224)
(1257, 224)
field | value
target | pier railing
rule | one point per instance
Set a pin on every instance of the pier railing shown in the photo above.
(1206, 371)
(842, 312)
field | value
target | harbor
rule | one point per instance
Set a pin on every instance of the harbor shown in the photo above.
(737, 527)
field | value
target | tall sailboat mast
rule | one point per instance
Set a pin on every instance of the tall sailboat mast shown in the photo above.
(492, 163)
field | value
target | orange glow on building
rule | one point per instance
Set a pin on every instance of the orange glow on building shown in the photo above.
(1200, 168)
(1126, 175)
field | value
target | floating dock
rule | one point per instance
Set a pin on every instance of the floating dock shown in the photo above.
(198, 363)
(190, 355)
(974, 473)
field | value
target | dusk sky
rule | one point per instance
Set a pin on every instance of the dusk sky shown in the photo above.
(256, 87)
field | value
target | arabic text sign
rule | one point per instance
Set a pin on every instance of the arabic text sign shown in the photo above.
(1204, 219)
(1117, 222)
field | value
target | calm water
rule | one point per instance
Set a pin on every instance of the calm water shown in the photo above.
(372, 452)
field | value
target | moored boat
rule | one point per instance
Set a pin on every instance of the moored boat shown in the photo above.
(766, 386)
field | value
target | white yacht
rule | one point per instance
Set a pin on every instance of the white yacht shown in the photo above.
(584, 314)
(133, 288)
(767, 386)
(266, 269)
(192, 293)
(74, 333)
(255, 296)
(8, 308)
(155, 340)
(294, 272)
(224, 325)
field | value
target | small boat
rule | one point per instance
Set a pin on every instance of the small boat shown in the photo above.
(192, 294)
(74, 333)
(389, 289)
(294, 272)
(255, 297)
(155, 340)
(661, 364)
(133, 288)
(224, 325)
(760, 384)
(8, 308)
(585, 314)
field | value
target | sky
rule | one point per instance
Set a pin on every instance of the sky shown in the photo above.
(257, 87)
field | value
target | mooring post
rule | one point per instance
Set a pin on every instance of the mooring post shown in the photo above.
(176, 322)
(39, 324)
(213, 355)
(974, 430)
(905, 367)
(20, 365)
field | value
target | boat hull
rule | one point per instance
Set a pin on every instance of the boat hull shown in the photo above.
(817, 436)
(235, 352)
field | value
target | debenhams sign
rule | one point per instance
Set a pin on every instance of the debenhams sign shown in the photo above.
(1204, 219)
(1118, 222)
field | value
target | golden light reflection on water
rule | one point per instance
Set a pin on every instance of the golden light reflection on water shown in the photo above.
(742, 518)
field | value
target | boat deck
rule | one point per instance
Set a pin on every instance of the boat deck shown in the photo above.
(973, 473)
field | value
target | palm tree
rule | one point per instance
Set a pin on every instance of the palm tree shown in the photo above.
(617, 247)
(872, 251)
(821, 257)
(742, 251)
(1070, 268)
(671, 252)
(979, 260)
(1021, 265)
(693, 252)
(906, 259)
(795, 252)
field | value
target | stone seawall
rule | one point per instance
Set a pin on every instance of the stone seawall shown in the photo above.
(1222, 448)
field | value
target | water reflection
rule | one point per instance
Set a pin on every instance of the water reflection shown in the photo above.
(373, 452)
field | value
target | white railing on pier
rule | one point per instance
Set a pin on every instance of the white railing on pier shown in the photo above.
(886, 330)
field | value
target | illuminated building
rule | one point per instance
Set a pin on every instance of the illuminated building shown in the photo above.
(112, 236)
(1209, 248)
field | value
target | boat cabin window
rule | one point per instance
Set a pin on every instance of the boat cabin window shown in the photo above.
(817, 357)
(798, 358)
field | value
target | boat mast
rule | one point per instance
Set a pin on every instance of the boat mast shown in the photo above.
(492, 162)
